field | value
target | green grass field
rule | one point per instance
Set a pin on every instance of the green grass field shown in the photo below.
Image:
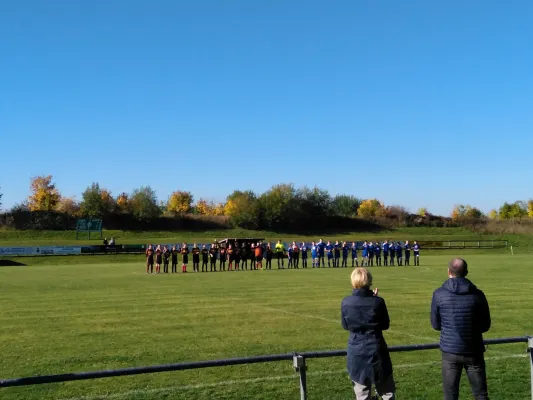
(73, 316)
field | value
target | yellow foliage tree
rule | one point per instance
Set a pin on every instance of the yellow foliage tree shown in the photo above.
(530, 208)
(108, 200)
(218, 209)
(180, 202)
(68, 205)
(123, 202)
(422, 212)
(371, 208)
(204, 208)
(493, 214)
(44, 195)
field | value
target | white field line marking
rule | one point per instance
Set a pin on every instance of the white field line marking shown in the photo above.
(134, 392)
(394, 332)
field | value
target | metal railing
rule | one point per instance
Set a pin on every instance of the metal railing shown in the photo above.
(299, 364)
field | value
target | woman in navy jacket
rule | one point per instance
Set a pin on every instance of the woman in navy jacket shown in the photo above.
(365, 316)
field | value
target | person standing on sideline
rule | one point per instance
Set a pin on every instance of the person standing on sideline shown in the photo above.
(416, 253)
(303, 249)
(385, 249)
(195, 258)
(354, 255)
(314, 255)
(407, 248)
(364, 314)
(279, 249)
(158, 259)
(460, 311)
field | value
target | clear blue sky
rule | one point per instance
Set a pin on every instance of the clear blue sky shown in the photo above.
(418, 103)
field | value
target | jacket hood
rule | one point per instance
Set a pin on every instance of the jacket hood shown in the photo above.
(459, 286)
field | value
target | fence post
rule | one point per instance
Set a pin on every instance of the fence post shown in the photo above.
(530, 351)
(301, 368)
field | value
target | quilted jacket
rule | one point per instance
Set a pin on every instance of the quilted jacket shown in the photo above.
(460, 311)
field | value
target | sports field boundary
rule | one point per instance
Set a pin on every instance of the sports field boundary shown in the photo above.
(299, 364)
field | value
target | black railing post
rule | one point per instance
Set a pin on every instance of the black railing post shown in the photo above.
(301, 368)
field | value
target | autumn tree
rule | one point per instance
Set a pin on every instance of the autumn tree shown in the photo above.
(44, 195)
(493, 214)
(242, 209)
(204, 208)
(422, 212)
(529, 208)
(371, 208)
(68, 205)
(122, 202)
(143, 203)
(218, 209)
(180, 202)
(462, 212)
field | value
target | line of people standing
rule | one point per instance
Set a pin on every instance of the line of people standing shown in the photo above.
(236, 257)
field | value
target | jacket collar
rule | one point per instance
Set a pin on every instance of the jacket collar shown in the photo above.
(363, 292)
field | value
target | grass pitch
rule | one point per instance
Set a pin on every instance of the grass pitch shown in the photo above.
(83, 317)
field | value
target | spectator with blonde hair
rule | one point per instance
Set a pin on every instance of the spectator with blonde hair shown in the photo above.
(364, 314)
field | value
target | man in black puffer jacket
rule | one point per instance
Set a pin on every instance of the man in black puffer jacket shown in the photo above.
(459, 310)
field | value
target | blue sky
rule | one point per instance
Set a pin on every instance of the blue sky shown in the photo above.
(417, 103)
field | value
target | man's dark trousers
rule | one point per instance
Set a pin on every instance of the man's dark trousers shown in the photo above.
(452, 368)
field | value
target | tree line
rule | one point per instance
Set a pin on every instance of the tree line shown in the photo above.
(280, 207)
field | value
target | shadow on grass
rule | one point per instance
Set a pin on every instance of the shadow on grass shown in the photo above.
(11, 263)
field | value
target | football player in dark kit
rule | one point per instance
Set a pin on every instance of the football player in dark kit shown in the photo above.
(223, 256)
(184, 257)
(213, 258)
(336, 254)
(195, 258)
(392, 253)
(345, 251)
(371, 253)
(158, 259)
(205, 258)
(377, 251)
(150, 260)
(237, 256)
(268, 255)
(399, 253)
(416, 251)
(303, 250)
(244, 258)
(174, 259)
(166, 259)
(385, 249)
(407, 248)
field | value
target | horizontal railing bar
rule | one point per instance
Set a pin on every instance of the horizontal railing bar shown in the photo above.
(38, 380)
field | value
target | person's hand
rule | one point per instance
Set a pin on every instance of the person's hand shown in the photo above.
(375, 291)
